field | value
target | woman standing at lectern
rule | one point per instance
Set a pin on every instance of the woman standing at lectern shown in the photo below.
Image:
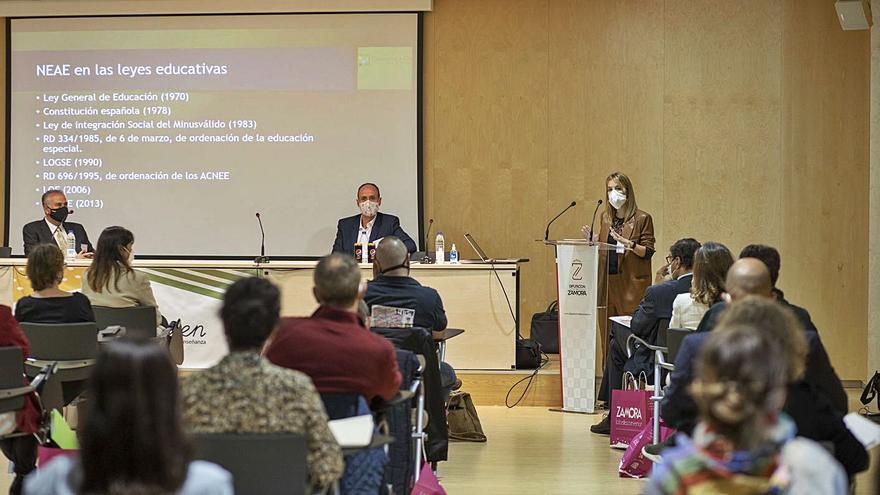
(632, 230)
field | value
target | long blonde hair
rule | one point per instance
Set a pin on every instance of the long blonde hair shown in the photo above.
(630, 207)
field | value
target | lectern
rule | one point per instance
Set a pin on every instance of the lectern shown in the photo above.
(582, 305)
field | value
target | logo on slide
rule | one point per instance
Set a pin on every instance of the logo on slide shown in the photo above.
(576, 268)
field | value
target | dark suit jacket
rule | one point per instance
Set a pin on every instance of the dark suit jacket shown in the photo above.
(385, 225)
(813, 402)
(38, 232)
(710, 319)
(656, 306)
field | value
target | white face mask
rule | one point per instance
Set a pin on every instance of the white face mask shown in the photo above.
(130, 256)
(616, 198)
(369, 208)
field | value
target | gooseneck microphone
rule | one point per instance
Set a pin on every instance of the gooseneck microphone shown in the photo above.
(593, 221)
(547, 230)
(262, 258)
(428, 233)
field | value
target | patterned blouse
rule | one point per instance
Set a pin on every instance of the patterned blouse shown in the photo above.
(245, 393)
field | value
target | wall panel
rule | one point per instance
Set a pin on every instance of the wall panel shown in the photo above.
(825, 195)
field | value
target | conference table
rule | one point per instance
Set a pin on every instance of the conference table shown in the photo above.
(192, 291)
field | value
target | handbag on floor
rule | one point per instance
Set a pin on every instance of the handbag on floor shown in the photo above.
(461, 415)
(634, 464)
(427, 484)
(631, 409)
(545, 328)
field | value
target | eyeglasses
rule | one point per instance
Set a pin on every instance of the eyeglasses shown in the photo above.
(670, 259)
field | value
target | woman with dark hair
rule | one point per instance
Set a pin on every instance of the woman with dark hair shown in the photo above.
(628, 271)
(254, 395)
(711, 263)
(133, 440)
(48, 303)
(743, 442)
(111, 281)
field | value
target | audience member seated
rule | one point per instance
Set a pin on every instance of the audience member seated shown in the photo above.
(673, 279)
(22, 450)
(132, 441)
(48, 303)
(393, 287)
(812, 397)
(245, 393)
(711, 263)
(743, 443)
(111, 281)
(333, 346)
(770, 257)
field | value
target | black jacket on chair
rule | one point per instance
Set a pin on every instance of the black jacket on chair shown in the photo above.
(37, 232)
(419, 341)
(347, 232)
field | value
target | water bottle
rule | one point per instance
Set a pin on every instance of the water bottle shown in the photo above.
(439, 248)
(71, 245)
(453, 255)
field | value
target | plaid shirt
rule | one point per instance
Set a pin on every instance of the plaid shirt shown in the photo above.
(245, 393)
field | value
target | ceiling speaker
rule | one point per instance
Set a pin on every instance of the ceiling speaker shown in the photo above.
(854, 14)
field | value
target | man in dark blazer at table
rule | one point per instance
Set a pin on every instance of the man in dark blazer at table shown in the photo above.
(53, 227)
(369, 225)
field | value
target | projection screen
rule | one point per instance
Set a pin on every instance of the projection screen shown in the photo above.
(181, 128)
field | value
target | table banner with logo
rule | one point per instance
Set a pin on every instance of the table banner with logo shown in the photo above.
(577, 272)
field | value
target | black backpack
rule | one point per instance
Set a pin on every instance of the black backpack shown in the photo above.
(545, 328)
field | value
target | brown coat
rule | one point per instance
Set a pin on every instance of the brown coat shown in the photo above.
(627, 287)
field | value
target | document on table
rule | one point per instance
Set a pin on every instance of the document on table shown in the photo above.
(623, 320)
(865, 430)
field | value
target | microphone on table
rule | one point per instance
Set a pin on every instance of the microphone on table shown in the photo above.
(593, 221)
(547, 230)
(262, 258)
(426, 258)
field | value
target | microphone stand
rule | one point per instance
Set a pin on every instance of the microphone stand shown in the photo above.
(593, 222)
(427, 259)
(547, 230)
(262, 258)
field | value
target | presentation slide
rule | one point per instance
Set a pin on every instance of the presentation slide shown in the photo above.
(181, 128)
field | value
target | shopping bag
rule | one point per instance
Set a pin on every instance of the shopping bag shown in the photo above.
(630, 411)
(427, 484)
(634, 464)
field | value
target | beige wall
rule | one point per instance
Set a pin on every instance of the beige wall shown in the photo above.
(738, 121)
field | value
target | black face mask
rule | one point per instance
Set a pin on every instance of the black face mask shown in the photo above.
(59, 214)
(383, 271)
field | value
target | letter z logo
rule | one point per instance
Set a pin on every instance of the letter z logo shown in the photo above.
(576, 269)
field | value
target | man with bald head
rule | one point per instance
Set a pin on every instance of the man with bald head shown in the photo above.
(369, 225)
(393, 287)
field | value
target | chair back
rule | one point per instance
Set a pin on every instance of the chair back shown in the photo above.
(259, 462)
(5, 252)
(62, 341)
(662, 326)
(11, 376)
(674, 336)
(139, 321)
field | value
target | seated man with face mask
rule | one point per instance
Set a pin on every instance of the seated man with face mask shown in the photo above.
(54, 227)
(393, 287)
(369, 225)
